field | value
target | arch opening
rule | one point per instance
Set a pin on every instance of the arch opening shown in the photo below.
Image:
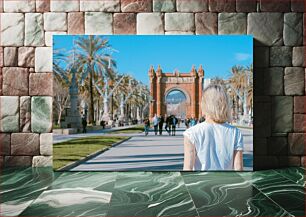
(176, 103)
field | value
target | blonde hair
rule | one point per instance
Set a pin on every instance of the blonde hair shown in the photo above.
(215, 104)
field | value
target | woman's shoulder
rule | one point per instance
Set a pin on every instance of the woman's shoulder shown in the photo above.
(196, 128)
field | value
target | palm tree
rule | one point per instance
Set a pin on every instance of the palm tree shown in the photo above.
(241, 79)
(93, 64)
(218, 80)
(61, 80)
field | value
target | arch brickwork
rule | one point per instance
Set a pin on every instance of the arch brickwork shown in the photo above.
(190, 84)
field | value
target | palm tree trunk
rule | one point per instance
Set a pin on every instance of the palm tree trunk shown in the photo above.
(91, 99)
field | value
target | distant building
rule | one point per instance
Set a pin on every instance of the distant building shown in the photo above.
(206, 82)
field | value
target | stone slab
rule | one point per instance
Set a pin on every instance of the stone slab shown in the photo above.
(191, 5)
(206, 23)
(282, 114)
(46, 144)
(5, 144)
(164, 5)
(1, 81)
(98, 23)
(293, 29)
(267, 28)
(272, 6)
(19, 6)
(299, 104)
(222, 5)
(296, 143)
(10, 56)
(40, 84)
(299, 124)
(136, 5)
(25, 114)
(294, 81)
(25, 144)
(246, 6)
(34, 29)
(299, 56)
(274, 81)
(41, 114)
(15, 81)
(12, 29)
(43, 59)
(101, 5)
(298, 6)
(280, 56)
(76, 23)
(64, 6)
(9, 114)
(150, 23)
(232, 23)
(26, 56)
(55, 21)
(42, 5)
(179, 22)
(1, 56)
(124, 23)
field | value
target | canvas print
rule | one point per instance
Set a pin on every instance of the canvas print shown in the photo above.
(152, 103)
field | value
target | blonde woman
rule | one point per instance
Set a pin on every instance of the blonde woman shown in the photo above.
(214, 144)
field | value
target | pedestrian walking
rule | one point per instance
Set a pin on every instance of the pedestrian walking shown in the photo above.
(146, 126)
(173, 126)
(160, 124)
(155, 124)
(187, 123)
(168, 124)
(84, 124)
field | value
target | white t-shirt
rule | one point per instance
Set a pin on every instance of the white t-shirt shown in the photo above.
(215, 145)
(155, 121)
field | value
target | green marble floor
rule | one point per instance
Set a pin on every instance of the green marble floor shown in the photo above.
(43, 192)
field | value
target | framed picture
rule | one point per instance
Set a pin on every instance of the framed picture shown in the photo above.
(153, 103)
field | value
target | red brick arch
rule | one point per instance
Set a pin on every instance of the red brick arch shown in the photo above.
(189, 83)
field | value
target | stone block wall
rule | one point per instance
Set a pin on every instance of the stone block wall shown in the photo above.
(27, 27)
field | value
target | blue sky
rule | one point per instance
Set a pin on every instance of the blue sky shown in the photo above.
(217, 54)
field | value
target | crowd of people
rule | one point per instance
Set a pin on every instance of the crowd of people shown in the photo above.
(169, 123)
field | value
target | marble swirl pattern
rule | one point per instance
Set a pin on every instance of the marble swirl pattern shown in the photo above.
(75, 194)
(282, 190)
(296, 174)
(42, 192)
(20, 187)
(228, 194)
(151, 194)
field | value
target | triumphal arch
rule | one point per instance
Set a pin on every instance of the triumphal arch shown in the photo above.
(162, 84)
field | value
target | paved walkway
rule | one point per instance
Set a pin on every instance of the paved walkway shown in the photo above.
(152, 153)
(57, 138)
